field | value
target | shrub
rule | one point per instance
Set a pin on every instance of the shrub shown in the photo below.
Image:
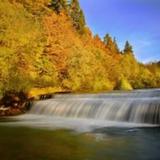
(123, 84)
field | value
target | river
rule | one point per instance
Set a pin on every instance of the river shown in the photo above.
(107, 126)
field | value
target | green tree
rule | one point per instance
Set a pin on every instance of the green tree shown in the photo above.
(58, 5)
(128, 48)
(115, 45)
(77, 16)
(111, 44)
(107, 40)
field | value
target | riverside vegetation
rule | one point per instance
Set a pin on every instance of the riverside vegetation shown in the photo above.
(47, 44)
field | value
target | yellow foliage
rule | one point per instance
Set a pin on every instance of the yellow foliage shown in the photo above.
(48, 51)
(123, 84)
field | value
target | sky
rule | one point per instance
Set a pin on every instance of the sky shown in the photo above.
(137, 21)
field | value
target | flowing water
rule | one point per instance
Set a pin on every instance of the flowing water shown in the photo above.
(131, 107)
(116, 125)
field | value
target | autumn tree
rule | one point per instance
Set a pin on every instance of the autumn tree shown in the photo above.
(77, 16)
(46, 51)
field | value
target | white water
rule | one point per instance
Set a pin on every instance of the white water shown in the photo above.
(84, 112)
(135, 107)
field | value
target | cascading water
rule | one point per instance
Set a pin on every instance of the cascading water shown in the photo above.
(141, 106)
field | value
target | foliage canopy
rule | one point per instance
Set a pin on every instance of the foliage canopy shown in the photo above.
(46, 43)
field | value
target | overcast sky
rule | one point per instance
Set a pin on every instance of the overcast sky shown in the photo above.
(135, 20)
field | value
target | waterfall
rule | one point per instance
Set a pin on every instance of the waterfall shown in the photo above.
(140, 106)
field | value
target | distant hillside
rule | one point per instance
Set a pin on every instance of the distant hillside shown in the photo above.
(46, 43)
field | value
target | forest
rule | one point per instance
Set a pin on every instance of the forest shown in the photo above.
(46, 43)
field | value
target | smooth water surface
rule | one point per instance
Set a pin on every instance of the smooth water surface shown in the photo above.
(19, 143)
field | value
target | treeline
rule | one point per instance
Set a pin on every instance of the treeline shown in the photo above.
(46, 43)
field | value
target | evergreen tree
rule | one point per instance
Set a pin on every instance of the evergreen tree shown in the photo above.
(107, 40)
(58, 5)
(127, 48)
(111, 44)
(116, 45)
(77, 15)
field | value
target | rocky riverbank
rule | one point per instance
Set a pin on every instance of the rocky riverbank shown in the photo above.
(10, 111)
(14, 104)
